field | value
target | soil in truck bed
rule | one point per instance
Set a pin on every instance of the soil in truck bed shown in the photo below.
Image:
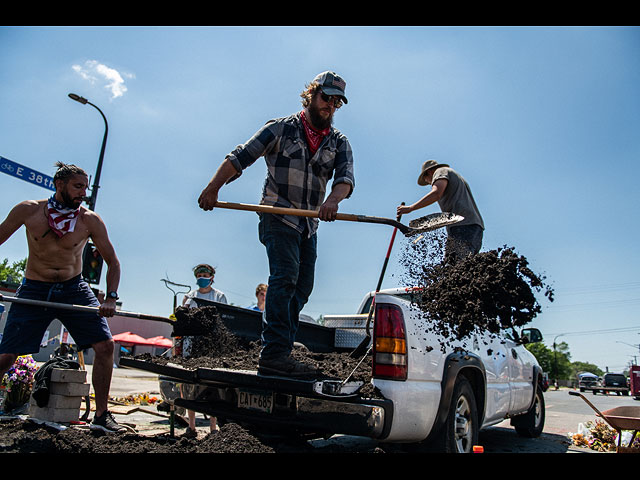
(221, 348)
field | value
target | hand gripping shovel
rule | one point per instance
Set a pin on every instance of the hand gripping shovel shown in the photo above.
(419, 225)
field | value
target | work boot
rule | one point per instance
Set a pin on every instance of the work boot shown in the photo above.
(287, 367)
(107, 423)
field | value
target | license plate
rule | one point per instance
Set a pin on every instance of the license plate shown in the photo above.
(261, 401)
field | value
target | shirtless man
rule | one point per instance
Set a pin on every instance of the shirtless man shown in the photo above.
(57, 231)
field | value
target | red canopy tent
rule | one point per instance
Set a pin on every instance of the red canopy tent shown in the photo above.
(128, 338)
(160, 341)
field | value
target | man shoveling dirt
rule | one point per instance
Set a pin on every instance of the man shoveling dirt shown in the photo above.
(303, 152)
(453, 194)
(57, 231)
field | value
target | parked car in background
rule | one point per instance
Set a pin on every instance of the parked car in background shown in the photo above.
(615, 382)
(545, 382)
(587, 381)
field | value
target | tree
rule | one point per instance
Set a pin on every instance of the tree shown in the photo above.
(577, 367)
(13, 273)
(557, 364)
(543, 354)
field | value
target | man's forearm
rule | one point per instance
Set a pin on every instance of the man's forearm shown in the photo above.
(113, 276)
(339, 192)
(225, 171)
(329, 208)
(209, 195)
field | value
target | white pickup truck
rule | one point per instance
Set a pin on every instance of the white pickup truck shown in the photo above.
(448, 396)
(422, 392)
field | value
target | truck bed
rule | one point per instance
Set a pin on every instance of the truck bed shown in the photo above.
(317, 407)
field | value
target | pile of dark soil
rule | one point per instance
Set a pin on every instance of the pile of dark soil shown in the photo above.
(23, 436)
(221, 348)
(490, 292)
(19, 436)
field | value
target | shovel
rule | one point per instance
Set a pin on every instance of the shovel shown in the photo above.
(419, 225)
(81, 308)
(363, 347)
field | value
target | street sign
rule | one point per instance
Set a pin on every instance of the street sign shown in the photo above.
(27, 174)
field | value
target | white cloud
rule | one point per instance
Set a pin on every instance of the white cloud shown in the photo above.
(98, 73)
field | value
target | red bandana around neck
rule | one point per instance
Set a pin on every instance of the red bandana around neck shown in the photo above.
(314, 137)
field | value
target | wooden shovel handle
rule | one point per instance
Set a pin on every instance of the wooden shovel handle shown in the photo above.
(284, 211)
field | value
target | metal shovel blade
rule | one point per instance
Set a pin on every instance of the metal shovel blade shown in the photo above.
(431, 222)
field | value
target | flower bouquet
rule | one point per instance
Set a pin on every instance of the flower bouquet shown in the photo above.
(18, 382)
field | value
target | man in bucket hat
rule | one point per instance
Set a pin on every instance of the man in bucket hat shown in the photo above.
(453, 194)
(303, 152)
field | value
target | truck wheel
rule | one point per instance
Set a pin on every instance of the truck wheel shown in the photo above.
(460, 431)
(531, 424)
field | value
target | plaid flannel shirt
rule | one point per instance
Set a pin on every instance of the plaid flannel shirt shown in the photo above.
(295, 179)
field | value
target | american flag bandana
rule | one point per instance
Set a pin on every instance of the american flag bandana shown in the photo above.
(61, 219)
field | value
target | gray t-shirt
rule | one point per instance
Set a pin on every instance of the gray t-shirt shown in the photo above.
(213, 295)
(457, 197)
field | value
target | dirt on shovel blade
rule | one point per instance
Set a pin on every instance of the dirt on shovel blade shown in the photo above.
(491, 292)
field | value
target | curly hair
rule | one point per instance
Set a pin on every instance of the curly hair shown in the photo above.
(308, 93)
(66, 171)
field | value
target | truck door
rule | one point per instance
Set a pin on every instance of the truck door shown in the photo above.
(494, 357)
(520, 373)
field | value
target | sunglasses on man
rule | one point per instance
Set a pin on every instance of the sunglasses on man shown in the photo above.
(331, 99)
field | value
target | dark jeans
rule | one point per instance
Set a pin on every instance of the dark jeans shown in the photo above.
(292, 259)
(26, 324)
(463, 240)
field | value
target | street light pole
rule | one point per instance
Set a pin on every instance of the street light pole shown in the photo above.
(555, 357)
(96, 181)
(91, 258)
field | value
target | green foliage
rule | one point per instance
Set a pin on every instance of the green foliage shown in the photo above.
(558, 364)
(13, 272)
(577, 367)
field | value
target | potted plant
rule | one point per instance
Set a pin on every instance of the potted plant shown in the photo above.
(18, 382)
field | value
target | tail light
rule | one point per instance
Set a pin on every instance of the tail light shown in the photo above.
(389, 344)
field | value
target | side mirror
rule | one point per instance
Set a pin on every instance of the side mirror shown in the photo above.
(531, 335)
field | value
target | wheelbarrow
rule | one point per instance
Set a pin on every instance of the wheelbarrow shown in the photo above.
(619, 418)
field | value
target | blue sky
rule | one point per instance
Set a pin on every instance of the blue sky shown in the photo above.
(543, 123)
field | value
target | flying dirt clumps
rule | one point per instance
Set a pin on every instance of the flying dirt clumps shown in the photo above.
(488, 292)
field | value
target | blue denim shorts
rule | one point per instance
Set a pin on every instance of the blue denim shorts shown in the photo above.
(26, 324)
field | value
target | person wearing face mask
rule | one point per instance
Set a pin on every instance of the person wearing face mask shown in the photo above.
(204, 279)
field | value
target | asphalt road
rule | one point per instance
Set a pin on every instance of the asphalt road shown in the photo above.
(564, 413)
